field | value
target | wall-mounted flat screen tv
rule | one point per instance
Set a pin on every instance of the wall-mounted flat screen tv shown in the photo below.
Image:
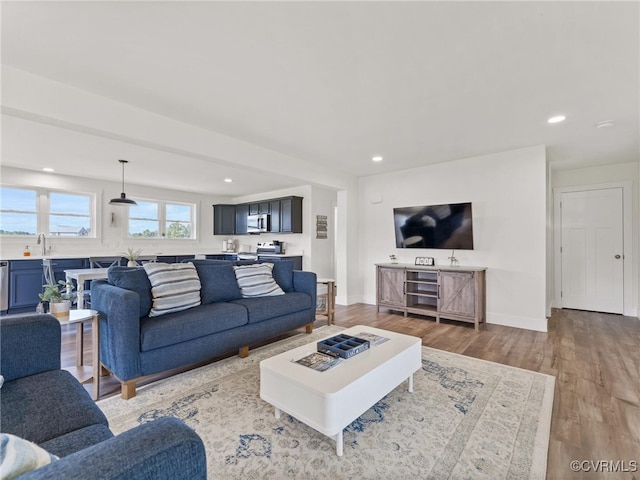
(448, 226)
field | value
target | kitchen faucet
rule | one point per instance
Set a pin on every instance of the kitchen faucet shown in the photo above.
(41, 237)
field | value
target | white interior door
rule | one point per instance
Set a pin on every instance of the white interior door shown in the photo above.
(592, 250)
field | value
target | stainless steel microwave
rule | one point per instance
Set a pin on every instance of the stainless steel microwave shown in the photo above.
(259, 223)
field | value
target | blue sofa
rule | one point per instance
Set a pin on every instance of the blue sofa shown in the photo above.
(41, 403)
(134, 345)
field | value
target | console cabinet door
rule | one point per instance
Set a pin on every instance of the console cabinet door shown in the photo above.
(457, 294)
(391, 287)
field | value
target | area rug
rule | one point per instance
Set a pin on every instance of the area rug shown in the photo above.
(466, 419)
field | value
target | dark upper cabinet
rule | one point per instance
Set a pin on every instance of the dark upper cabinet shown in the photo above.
(242, 212)
(224, 219)
(257, 208)
(291, 215)
(274, 208)
(285, 216)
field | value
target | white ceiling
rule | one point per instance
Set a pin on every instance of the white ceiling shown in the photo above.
(334, 83)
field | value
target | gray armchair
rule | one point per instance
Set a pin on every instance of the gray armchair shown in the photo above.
(48, 406)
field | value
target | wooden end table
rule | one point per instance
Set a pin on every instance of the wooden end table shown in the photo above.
(80, 317)
(330, 307)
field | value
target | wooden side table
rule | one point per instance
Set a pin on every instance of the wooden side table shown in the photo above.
(330, 306)
(80, 317)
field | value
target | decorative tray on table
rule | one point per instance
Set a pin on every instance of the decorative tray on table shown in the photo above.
(344, 346)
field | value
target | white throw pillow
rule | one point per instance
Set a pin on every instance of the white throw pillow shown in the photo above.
(19, 456)
(256, 280)
(174, 287)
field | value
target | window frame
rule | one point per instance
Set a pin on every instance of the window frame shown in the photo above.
(43, 213)
(162, 219)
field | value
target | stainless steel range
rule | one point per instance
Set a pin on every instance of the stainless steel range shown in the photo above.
(273, 247)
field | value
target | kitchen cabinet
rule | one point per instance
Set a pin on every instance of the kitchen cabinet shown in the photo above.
(223, 256)
(25, 283)
(454, 293)
(296, 259)
(291, 215)
(285, 216)
(242, 212)
(224, 219)
(26, 279)
(274, 208)
(261, 207)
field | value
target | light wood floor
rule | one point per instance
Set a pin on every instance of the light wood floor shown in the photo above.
(595, 358)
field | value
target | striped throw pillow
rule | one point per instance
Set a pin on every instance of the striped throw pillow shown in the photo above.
(19, 456)
(174, 287)
(256, 280)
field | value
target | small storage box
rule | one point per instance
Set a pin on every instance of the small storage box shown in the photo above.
(344, 346)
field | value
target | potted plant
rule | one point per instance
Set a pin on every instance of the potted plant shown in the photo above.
(132, 255)
(58, 296)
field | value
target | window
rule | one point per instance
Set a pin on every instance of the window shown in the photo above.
(18, 211)
(143, 219)
(69, 215)
(152, 219)
(178, 221)
(25, 211)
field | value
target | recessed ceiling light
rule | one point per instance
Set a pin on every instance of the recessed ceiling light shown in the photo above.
(377, 158)
(228, 180)
(605, 123)
(48, 169)
(557, 119)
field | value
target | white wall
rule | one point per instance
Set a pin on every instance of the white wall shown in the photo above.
(508, 193)
(625, 172)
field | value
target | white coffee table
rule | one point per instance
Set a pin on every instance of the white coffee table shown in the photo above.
(329, 401)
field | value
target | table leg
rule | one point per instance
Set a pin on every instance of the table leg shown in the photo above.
(331, 301)
(95, 330)
(339, 443)
(411, 384)
(80, 290)
(277, 413)
(79, 344)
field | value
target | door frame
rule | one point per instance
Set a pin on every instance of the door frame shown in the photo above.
(627, 239)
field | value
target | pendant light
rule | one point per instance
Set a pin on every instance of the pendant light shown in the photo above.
(122, 200)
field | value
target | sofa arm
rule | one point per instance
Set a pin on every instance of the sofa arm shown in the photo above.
(119, 328)
(306, 282)
(29, 344)
(163, 449)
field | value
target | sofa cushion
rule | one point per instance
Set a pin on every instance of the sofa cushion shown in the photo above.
(218, 282)
(257, 280)
(283, 273)
(134, 279)
(77, 440)
(264, 308)
(172, 328)
(19, 456)
(44, 406)
(174, 287)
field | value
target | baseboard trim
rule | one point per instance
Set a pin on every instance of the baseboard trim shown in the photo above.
(527, 323)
